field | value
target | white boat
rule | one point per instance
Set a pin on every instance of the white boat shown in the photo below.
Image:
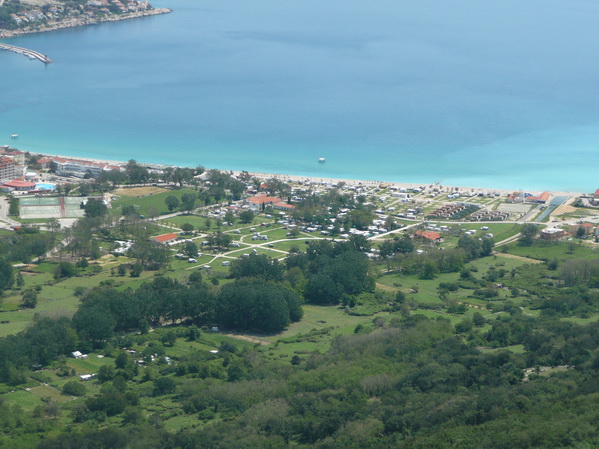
(322, 159)
(14, 136)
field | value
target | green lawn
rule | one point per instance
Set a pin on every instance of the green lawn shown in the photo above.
(144, 205)
(558, 251)
(195, 220)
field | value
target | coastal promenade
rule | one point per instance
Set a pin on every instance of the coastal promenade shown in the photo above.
(24, 51)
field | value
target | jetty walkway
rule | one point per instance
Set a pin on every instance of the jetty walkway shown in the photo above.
(24, 51)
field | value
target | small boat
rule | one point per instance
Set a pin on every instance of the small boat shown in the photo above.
(14, 136)
(322, 159)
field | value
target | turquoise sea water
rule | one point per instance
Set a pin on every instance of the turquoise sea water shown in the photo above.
(498, 94)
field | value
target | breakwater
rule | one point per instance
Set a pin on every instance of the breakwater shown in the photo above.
(24, 51)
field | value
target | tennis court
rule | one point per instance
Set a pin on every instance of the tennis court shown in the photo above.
(50, 207)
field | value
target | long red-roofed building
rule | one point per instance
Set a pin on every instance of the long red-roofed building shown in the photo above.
(165, 238)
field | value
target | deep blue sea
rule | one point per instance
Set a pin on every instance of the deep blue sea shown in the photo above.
(500, 93)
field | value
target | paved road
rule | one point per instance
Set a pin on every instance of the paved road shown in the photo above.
(5, 221)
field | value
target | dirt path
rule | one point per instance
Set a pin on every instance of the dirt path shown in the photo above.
(522, 258)
(385, 287)
(250, 339)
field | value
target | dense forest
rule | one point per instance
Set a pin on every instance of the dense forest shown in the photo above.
(408, 382)
(405, 381)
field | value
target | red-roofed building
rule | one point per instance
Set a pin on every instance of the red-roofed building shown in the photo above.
(429, 235)
(259, 201)
(166, 238)
(19, 185)
(596, 195)
(589, 228)
(283, 206)
(543, 198)
(45, 162)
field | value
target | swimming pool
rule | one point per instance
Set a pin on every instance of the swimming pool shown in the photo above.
(45, 186)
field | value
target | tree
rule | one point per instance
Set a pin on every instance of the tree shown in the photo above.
(187, 227)
(471, 245)
(219, 239)
(30, 299)
(121, 360)
(164, 385)
(106, 373)
(95, 253)
(257, 305)
(188, 202)
(20, 280)
(230, 217)
(7, 277)
(361, 218)
(191, 249)
(529, 232)
(169, 338)
(74, 388)
(136, 173)
(478, 319)
(257, 266)
(429, 271)
(64, 270)
(246, 217)
(149, 253)
(487, 245)
(390, 223)
(128, 211)
(95, 208)
(172, 202)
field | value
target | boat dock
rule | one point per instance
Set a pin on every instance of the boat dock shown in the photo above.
(24, 51)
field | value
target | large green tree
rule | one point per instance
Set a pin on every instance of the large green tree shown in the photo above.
(7, 277)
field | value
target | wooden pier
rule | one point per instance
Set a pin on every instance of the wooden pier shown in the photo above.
(24, 51)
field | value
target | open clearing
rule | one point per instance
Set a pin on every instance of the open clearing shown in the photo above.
(136, 192)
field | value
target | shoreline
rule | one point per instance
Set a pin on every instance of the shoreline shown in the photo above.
(323, 179)
(73, 23)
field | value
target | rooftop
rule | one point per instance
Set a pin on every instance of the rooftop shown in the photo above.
(166, 237)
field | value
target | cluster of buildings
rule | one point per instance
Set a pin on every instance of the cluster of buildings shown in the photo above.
(36, 14)
(13, 176)
(91, 9)
(448, 211)
(488, 215)
(106, 5)
(556, 233)
(523, 197)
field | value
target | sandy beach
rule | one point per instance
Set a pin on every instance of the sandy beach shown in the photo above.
(330, 181)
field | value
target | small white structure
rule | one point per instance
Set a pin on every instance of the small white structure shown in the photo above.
(78, 355)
